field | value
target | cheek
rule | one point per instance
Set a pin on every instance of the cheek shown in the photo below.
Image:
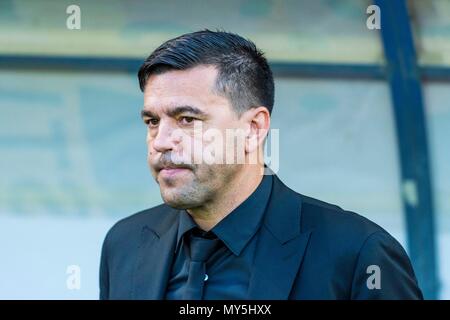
(149, 140)
(151, 153)
(187, 147)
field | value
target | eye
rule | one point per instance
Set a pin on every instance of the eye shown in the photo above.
(187, 120)
(151, 122)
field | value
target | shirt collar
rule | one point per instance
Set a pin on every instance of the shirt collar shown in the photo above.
(239, 226)
(185, 224)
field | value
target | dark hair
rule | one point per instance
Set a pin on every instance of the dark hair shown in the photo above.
(244, 76)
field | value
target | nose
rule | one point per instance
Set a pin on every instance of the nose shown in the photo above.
(162, 141)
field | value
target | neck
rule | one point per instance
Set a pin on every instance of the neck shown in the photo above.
(236, 192)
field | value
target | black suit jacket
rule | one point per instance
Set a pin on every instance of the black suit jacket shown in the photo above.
(307, 249)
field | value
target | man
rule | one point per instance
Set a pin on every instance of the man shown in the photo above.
(226, 231)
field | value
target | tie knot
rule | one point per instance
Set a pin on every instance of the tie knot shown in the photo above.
(201, 248)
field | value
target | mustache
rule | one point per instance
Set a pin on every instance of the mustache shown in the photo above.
(168, 160)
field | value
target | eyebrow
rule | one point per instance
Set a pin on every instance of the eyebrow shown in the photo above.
(175, 112)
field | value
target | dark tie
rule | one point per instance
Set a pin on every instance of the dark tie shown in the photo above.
(200, 250)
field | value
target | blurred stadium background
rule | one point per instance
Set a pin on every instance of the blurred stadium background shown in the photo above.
(364, 117)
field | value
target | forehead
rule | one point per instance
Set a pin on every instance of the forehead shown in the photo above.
(193, 86)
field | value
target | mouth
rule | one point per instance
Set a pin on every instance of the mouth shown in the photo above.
(170, 172)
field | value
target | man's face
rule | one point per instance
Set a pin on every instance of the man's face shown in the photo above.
(176, 104)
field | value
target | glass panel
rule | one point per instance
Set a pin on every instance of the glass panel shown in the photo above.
(437, 97)
(72, 144)
(431, 25)
(321, 30)
(72, 163)
(338, 144)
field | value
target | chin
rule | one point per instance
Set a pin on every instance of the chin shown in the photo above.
(180, 201)
(177, 204)
(177, 201)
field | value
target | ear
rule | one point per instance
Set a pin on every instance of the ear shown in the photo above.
(258, 123)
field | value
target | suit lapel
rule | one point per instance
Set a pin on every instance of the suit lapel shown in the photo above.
(155, 256)
(281, 246)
